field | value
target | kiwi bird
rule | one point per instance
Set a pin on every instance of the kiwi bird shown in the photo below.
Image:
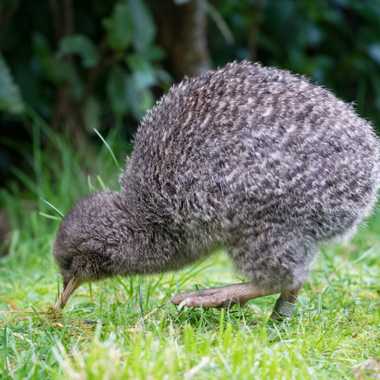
(256, 160)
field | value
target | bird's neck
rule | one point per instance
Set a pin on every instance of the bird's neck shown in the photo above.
(145, 245)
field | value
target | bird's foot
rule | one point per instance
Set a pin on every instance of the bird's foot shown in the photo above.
(204, 298)
(285, 305)
(285, 311)
(218, 297)
(239, 294)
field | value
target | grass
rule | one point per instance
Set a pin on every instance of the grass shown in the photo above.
(126, 328)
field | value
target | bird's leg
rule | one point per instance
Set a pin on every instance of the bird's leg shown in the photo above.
(222, 297)
(285, 304)
(239, 294)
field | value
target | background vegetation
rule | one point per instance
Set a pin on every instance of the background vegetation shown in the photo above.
(69, 69)
(101, 64)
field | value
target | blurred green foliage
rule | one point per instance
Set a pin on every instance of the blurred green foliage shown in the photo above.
(10, 99)
(98, 62)
(98, 58)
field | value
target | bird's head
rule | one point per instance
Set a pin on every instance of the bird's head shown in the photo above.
(88, 242)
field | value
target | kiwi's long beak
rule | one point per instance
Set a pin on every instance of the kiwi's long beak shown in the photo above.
(68, 290)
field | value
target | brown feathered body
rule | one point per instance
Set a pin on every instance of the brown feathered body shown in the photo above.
(256, 160)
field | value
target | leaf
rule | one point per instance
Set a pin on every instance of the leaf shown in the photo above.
(374, 52)
(117, 91)
(144, 29)
(10, 97)
(52, 69)
(143, 71)
(81, 45)
(126, 94)
(154, 54)
(91, 114)
(119, 27)
(139, 99)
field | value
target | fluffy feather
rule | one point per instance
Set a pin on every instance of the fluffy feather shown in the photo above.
(254, 159)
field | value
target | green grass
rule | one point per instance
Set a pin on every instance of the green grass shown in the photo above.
(126, 328)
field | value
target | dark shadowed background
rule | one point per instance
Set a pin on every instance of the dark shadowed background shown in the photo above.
(72, 66)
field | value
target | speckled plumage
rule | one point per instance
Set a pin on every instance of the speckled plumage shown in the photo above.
(254, 159)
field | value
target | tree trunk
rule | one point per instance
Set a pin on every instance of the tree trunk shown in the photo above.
(254, 29)
(5, 232)
(182, 32)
